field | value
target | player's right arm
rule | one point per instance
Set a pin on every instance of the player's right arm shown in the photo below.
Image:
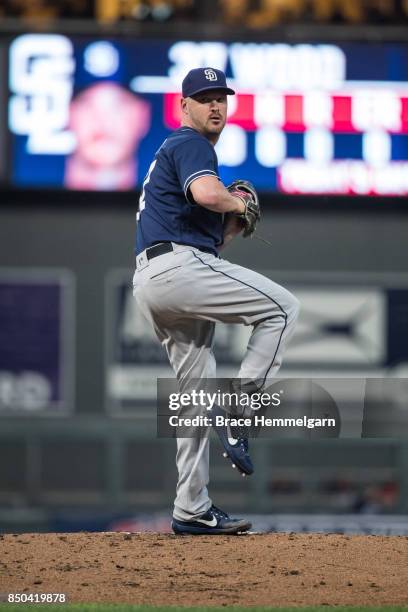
(208, 191)
(197, 170)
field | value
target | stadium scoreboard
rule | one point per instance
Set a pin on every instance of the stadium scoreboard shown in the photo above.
(306, 118)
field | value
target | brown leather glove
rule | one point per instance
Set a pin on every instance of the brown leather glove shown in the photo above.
(247, 193)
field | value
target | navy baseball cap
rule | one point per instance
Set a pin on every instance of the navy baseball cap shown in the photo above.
(202, 79)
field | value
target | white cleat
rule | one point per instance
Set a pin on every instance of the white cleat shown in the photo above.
(225, 455)
(243, 475)
(233, 465)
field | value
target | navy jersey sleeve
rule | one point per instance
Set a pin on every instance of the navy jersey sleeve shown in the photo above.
(193, 159)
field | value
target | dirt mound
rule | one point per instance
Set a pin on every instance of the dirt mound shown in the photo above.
(248, 570)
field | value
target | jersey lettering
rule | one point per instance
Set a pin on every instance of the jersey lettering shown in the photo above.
(142, 199)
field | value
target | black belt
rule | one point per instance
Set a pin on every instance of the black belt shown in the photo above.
(167, 247)
(159, 249)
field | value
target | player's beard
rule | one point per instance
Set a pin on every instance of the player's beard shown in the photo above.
(206, 127)
(214, 129)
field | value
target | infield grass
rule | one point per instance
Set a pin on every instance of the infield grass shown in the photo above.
(93, 607)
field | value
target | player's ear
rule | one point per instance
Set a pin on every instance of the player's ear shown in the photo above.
(183, 105)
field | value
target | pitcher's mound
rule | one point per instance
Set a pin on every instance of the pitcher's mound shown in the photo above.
(248, 570)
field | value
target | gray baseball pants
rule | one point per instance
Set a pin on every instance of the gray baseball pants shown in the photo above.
(183, 294)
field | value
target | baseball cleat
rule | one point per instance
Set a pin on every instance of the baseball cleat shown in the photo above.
(235, 443)
(213, 522)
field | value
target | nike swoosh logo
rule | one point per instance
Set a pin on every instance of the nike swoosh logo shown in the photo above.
(231, 440)
(211, 523)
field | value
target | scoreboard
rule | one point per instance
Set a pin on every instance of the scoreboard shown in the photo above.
(347, 141)
(86, 113)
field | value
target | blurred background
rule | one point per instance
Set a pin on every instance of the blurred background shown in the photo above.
(88, 91)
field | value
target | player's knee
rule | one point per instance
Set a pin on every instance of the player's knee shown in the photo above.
(288, 312)
(293, 310)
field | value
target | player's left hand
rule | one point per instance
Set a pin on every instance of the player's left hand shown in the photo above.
(247, 192)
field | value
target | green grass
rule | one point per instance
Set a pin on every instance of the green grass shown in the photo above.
(93, 607)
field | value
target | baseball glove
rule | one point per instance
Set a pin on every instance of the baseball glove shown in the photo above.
(247, 192)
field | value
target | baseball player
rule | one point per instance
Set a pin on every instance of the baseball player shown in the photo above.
(182, 286)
